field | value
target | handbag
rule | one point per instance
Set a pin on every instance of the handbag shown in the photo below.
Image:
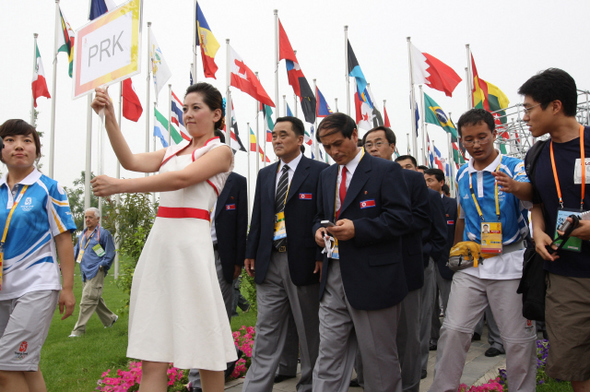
(533, 285)
(466, 254)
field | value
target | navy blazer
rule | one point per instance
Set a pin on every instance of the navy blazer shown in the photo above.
(412, 242)
(450, 208)
(300, 210)
(231, 224)
(435, 238)
(378, 203)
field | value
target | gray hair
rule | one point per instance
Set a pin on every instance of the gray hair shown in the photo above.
(93, 209)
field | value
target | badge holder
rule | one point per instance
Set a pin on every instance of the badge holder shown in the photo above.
(491, 238)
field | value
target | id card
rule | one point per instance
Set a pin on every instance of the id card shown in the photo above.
(280, 228)
(98, 250)
(491, 237)
(578, 171)
(80, 255)
(331, 247)
(573, 244)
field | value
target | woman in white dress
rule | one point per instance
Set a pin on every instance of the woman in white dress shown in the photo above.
(176, 312)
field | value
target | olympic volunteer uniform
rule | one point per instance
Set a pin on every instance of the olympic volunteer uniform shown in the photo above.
(493, 282)
(31, 275)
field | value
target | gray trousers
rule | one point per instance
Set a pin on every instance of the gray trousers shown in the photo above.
(277, 297)
(442, 294)
(469, 298)
(227, 292)
(494, 338)
(92, 302)
(408, 341)
(427, 298)
(290, 354)
(343, 329)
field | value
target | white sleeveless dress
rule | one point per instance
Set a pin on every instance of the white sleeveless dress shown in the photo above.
(176, 311)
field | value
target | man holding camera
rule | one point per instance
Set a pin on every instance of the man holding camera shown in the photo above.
(560, 179)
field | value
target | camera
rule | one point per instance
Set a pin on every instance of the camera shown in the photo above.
(566, 225)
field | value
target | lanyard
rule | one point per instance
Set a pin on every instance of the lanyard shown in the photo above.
(96, 230)
(556, 177)
(495, 195)
(20, 196)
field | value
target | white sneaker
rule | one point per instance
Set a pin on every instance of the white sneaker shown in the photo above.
(114, 321)
(74, 336)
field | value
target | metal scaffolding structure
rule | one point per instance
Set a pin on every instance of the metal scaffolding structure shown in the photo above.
(514, 134)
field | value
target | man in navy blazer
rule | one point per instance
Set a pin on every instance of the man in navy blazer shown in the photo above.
(283, 257)
(363, 280)
(380, 142)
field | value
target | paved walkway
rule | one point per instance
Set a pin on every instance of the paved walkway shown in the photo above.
(478, 370)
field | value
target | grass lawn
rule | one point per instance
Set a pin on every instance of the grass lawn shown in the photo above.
(76, 364)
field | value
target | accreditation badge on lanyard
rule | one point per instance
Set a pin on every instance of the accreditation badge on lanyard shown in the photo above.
(490, 232)
(573, 244)
(280, 228)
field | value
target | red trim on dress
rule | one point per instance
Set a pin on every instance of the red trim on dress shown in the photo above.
(214, 187)
(176, 153)
(182, 212)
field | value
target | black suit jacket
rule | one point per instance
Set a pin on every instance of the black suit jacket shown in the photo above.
(450, 208)
(435, 238)
(231, 224)
(378, 203)
(300, 210)
(412, 242)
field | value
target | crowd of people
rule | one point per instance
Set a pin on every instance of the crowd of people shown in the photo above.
(351, 261)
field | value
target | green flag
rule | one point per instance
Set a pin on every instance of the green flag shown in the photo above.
(435, 115)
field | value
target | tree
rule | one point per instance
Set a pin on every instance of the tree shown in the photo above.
(76, 199)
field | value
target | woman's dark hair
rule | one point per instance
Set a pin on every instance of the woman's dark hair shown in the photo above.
(211, 97)
(20, 127)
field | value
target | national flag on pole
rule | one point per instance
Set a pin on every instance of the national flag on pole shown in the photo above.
(289, 112)
(485, 95)
(176, 117)
(438, 159)
(386, 120)
(296, 78)
(269, 124)
(375, 113)
(208, 43)
(66, 41)
(99, 7)
(430, 153)
(255, 147)
(39, 84)
(235, 143)
(160, 70)
(364, 115)
(354, 70)
(131, 105)
(323, 109)
(428, 70)
(161, 127)
(244, 79)
(435, 115)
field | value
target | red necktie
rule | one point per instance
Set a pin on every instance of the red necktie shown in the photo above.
(342, 190)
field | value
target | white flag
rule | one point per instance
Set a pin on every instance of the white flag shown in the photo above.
(160, 70)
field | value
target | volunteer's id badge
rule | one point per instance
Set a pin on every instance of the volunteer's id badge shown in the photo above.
(573, 244)
(331, 248)
(491, 237)
(80, 254)
(578, 172)
(280, 229)
(98, 250)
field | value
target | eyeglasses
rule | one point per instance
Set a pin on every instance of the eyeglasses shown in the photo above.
(527, 110)
(481, 142)
(378, 144)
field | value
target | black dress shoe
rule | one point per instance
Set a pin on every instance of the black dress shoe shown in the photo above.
(475, 337)
(493, 352)
(355, 382)
(423, 374)
(432, 347)
(231, 367)
(282, 377)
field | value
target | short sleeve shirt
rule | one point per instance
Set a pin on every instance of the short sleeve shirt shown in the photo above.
(43, 212)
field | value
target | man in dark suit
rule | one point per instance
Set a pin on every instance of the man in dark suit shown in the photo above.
(228, 232)
(363, 279)
(435, 179)
(283, 258)
(380, 142)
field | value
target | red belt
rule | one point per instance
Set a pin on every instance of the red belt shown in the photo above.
(180, 212)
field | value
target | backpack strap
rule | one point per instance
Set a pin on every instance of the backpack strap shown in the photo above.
(530, 163)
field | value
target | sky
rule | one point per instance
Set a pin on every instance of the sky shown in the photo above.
(510, 41)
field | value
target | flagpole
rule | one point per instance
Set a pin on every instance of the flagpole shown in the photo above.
(451, 161)
(35, 35)
(346, 71)
(170, 114)
(227, 95)
(248, 176)
(412, 100)
(257, 147)
(285, 104)
(53, 89)
(118, 175)
(147, 92)
(276, 14)
(88, 168)
(195, 32)
(422, 118)
(336, 105)
(470, 80)
(315, 126)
